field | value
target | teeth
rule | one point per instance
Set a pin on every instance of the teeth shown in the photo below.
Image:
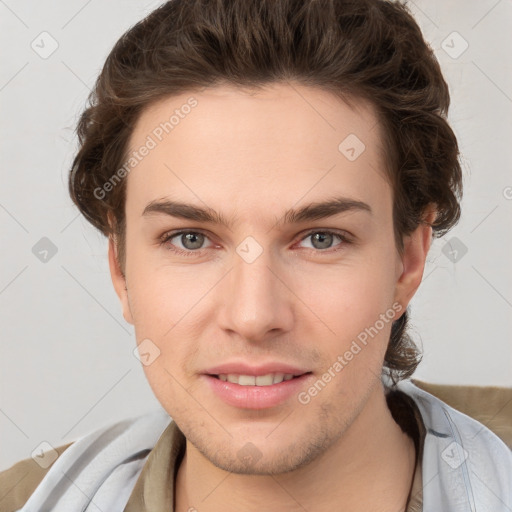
(251, 380)
(245, 380)
(268, 380)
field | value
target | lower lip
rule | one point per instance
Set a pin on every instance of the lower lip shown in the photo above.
(257, 397)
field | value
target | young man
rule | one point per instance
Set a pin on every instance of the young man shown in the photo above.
(270, 174)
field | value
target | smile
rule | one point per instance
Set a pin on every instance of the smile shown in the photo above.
(257, 392)
(252, 380)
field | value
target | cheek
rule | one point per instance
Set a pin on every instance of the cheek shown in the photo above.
(170, 387)
(160, 295)
(168, 308)
(350, 313)
(347, 297)
(161, 315)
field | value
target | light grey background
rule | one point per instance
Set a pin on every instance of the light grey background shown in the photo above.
(67, 364)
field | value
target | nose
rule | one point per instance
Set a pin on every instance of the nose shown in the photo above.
(256, 300)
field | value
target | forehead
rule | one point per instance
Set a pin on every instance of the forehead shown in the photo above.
(285, 140)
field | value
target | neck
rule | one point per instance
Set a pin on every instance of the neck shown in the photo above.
(371, 464)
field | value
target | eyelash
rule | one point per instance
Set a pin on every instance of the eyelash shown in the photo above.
(164, 241)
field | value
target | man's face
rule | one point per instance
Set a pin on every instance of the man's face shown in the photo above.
(264, 294)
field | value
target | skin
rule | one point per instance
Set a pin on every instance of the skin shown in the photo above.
(251, 155)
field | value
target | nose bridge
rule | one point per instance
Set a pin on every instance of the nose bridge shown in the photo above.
(256, 300)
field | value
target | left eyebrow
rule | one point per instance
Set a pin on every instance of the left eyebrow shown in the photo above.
(322, 210)
(312, 211)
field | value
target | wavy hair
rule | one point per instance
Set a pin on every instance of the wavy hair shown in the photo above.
(371, 50)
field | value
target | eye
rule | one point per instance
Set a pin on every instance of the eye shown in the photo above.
(322, 240)
(191, 241)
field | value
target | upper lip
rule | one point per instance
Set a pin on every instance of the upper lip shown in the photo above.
(242, 368)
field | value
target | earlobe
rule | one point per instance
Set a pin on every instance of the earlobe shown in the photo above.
(119, 280)
(416, 247)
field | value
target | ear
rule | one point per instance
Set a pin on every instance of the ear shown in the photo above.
(119, 280)
(412, 262)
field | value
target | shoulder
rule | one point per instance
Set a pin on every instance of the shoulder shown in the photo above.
(90, 460)
(489, 405)
(19, 481)
(479, 416)
(465, 462)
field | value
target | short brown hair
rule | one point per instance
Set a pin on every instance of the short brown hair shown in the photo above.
(365, 49)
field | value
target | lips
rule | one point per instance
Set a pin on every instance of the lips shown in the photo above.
(247, 386)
